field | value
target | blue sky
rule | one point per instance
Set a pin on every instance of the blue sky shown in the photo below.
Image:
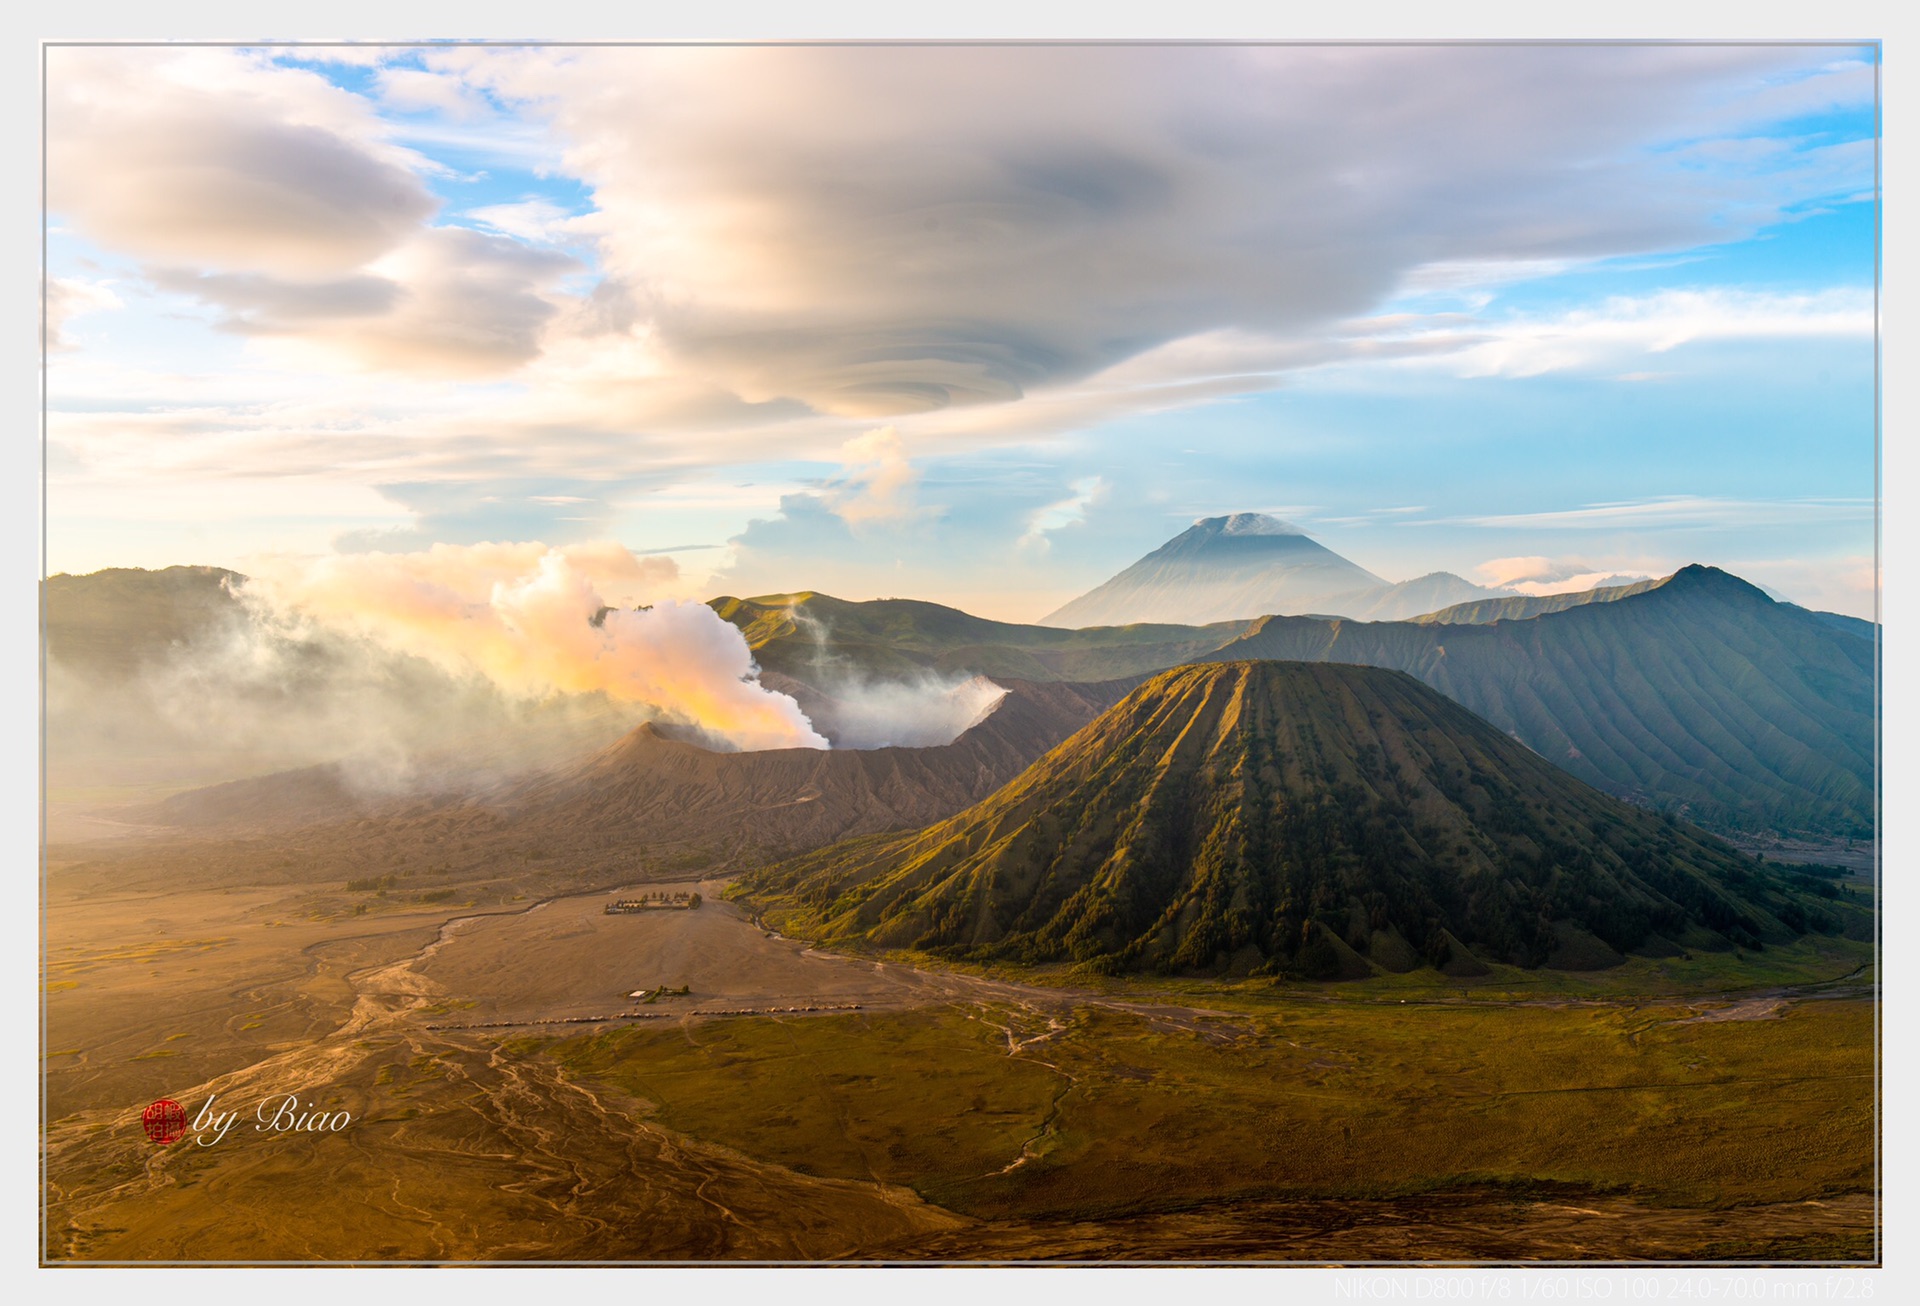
(974, 325)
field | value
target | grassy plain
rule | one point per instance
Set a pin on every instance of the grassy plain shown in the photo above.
(1119, 1114)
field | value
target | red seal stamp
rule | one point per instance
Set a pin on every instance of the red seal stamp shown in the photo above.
(165, 1121)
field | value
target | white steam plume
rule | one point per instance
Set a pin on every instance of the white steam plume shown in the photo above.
(859, 710)
(531, 621)
(921, 713)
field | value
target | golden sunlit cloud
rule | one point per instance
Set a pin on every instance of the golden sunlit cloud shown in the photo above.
(532, 621)
(879, 481)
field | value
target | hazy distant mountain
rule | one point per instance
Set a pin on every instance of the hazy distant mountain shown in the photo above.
(1250, 565)
(1696, 693)
(1411, 598)
(1282, 816)
(1520, 607)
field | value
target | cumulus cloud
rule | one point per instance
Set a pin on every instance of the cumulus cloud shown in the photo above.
(1101, 230)
(532, 219)
(448, 302)
(1542, 575)
(543, 629)
(778, 248)
(71, 297)
(413, 89)
(257, 304)
(877, 482)
(275, 197)
(472, 305)
(206, 159)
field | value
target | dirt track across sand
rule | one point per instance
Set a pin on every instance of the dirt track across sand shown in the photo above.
(569, 958)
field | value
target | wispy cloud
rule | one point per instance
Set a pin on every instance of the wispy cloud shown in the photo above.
(1679, 511)
(1062, 513)
(1626, 328)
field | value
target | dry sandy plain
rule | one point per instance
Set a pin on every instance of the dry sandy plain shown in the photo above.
(506, 1099)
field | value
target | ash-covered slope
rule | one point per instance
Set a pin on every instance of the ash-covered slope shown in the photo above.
(1291, 817)
(305, 796)
(1697, 693)
(653, 788)
(1220, 569)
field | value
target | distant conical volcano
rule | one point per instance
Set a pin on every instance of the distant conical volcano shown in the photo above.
(1251, 565)
(1292, 817)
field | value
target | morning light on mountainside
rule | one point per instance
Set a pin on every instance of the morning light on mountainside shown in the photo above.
(961, 653)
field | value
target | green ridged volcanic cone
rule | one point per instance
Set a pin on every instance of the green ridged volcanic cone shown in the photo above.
(1292, 817)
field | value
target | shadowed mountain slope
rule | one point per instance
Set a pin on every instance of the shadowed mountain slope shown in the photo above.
(1291, 817)
(1697, 694)
(1523, 607)
(306, 796)
(107, 624)
(651, 786)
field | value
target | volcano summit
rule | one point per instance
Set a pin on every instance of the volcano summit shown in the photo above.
(1294, 818)
(1251, 565)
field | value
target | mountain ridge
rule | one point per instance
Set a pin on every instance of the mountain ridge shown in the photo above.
(1259, 815)
(1698, 693)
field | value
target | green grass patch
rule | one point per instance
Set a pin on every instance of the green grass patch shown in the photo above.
(1281, 1098)
(928, 1098)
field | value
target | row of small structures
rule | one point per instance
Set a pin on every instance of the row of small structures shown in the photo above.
(654, 902)
(655, 1015)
